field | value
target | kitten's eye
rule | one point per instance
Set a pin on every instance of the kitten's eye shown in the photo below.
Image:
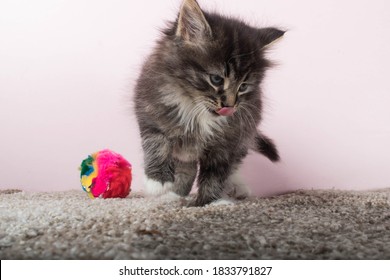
(216, 80)
(243, 87)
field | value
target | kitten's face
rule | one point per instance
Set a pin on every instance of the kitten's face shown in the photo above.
(220, 60)
(223, 72)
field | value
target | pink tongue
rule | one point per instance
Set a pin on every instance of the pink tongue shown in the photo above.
(226, 111)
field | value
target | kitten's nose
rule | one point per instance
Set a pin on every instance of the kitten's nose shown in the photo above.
(228, 100)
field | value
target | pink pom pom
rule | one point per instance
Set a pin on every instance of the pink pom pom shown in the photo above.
(106, 174)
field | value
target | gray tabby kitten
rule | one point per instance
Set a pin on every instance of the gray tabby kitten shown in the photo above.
(198, 104)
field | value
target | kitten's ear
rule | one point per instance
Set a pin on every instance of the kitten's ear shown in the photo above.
(192, 25)
(269, 35)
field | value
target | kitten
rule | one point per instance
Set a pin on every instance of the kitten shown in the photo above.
(198, 104)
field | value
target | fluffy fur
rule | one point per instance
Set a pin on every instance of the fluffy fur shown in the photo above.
(198, 103)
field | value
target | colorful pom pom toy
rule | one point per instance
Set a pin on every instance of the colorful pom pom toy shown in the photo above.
(106, 174)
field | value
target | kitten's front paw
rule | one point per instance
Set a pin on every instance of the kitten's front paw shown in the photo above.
(201, 203)
(156, 188)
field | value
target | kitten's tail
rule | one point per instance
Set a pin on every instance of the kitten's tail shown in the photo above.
(266, 146)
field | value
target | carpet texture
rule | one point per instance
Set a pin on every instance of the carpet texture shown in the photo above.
(324, 224)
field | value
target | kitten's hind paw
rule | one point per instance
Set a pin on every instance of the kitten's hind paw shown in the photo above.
(223, 201)
(236, 188)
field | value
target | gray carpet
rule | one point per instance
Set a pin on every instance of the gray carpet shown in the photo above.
(301, 225)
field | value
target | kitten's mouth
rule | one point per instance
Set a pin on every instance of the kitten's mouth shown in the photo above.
(226, 111)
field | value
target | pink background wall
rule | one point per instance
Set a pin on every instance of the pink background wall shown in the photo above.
(67, 69)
